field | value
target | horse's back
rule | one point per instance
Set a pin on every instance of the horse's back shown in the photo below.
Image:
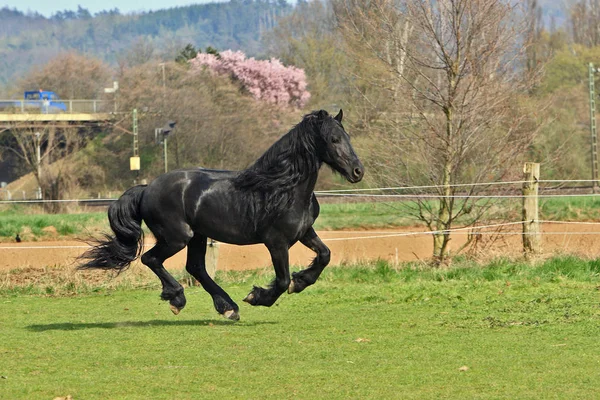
(202, 201)
(207, 202)
(173, 197)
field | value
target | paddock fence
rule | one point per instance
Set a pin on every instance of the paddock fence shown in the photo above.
(528, 191)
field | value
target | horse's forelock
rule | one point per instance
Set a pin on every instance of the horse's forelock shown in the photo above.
(318, 115)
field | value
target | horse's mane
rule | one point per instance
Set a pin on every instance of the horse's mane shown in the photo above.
(290, 160)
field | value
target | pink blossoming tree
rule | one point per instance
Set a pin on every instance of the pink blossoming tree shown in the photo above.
(267, 80)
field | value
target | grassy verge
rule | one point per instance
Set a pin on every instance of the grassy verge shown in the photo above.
(43, 226)
(362, 215)
(391, 214)
(333, 217)
(503, 330)
(59, 281)
(571, 209)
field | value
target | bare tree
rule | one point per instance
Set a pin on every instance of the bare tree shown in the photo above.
(42, 151)
(307, 39)
(140, 52)
(217, 125)
(453, 82)
(71, 75)
(535, 27)
(585, 22)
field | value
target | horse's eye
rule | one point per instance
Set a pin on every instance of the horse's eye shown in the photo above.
(335, 139)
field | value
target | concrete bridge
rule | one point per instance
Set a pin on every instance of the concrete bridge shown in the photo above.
(31, 112)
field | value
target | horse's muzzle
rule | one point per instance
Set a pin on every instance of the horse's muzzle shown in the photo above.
(357, 173)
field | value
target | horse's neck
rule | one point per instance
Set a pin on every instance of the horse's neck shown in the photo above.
(304, 189)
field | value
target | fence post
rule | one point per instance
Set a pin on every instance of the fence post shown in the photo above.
(531, 224)
(212, 255)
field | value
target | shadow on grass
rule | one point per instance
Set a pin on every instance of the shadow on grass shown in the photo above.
(68, 326)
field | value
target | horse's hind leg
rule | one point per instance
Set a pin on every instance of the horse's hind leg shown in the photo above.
(308, 276)
(154, 258)
(196, 266)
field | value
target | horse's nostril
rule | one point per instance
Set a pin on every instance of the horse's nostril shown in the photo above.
(357, 172)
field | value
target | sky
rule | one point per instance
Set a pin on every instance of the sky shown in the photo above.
(47, 8)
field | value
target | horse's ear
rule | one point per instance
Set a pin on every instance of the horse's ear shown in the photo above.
(339, 117)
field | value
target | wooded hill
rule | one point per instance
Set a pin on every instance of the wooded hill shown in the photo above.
(32, 39)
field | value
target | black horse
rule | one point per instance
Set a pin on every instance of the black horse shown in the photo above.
(271, 202)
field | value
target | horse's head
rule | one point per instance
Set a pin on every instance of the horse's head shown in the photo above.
(336, 150)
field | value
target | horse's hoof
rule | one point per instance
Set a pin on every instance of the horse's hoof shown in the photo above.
(232, 315)
(174, 309)
(291, 287)
(249, 299)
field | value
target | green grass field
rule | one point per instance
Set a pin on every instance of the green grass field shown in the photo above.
(333, 217)
(506, 330)
(31, 225)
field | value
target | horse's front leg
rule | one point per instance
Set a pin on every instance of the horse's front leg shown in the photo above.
(267, 296)
(308, 276)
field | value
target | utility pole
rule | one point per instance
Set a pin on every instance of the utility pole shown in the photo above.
(164, 87)
(165, 131)
(594, 137)
(135, 134)
(134, 161)
(38, 155)
(38, 161)
(164, 93)
(165, 153)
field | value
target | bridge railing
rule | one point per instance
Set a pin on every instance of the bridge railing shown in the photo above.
(54, 107)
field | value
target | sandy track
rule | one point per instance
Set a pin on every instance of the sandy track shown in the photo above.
(581, 239)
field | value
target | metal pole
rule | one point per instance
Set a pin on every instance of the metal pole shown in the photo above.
(163, 79)
(135, 134)
(594, 138)
(135, 146)
(164, 87)
(165, 152)
(38, 156)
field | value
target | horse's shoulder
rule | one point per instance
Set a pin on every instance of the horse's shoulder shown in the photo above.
(316, 208)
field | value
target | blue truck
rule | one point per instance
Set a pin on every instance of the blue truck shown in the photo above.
(44, 101)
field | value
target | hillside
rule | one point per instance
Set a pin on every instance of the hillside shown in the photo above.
(32, 39)
(556, 11)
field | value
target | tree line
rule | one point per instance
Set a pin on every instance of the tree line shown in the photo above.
(28, 40)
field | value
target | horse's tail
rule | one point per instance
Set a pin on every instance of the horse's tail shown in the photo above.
(118, 251)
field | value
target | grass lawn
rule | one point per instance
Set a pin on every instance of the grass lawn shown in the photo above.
(505, 330)
(333, 217)
(35, 226)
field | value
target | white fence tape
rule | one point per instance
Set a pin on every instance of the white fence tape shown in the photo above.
(361, 192)
(475, 230)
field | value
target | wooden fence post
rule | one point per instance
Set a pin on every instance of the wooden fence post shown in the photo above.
(212, 255)
(531, 225)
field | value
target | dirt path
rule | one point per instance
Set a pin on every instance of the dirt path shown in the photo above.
(345, 247)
